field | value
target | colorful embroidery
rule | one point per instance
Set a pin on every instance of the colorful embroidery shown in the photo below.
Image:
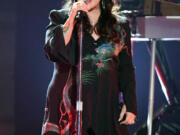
(88, 77)
(104, 53)
(67, 111)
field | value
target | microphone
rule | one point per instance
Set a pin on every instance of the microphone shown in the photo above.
(81, 14)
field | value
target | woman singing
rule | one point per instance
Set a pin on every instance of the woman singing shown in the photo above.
(108, 77)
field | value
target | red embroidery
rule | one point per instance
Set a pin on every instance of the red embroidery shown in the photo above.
(67, 111)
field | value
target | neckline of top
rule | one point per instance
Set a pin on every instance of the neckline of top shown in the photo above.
(95, 40)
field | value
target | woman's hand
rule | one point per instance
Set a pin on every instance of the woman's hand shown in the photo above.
(70, 22)
(130, 117)
(79, 6)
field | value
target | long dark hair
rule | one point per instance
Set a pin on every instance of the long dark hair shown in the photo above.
(107, 23)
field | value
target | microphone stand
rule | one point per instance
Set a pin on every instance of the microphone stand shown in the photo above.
(79, 102)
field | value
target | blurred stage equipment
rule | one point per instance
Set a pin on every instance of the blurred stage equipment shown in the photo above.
(159, 20)
(161, 7)
(151, 7)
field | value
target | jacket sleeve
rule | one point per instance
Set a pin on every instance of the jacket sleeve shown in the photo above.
(54, 47)
(126, 74)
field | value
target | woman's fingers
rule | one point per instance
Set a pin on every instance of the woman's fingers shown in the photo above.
(126, 121)
(130, 119)
(121, 116)
(77, 6)
(80, 6)
(123, 111)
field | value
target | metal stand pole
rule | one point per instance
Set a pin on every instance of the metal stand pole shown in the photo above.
(79, 103)
(151, 88)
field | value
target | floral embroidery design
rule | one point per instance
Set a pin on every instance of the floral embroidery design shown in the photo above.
(104, 53)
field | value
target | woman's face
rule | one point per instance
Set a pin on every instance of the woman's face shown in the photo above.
(92, 4)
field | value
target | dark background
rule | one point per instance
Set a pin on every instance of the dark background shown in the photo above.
(25, 72)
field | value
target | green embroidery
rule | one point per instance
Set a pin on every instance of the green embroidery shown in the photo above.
(104, 53)
(88, 77)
